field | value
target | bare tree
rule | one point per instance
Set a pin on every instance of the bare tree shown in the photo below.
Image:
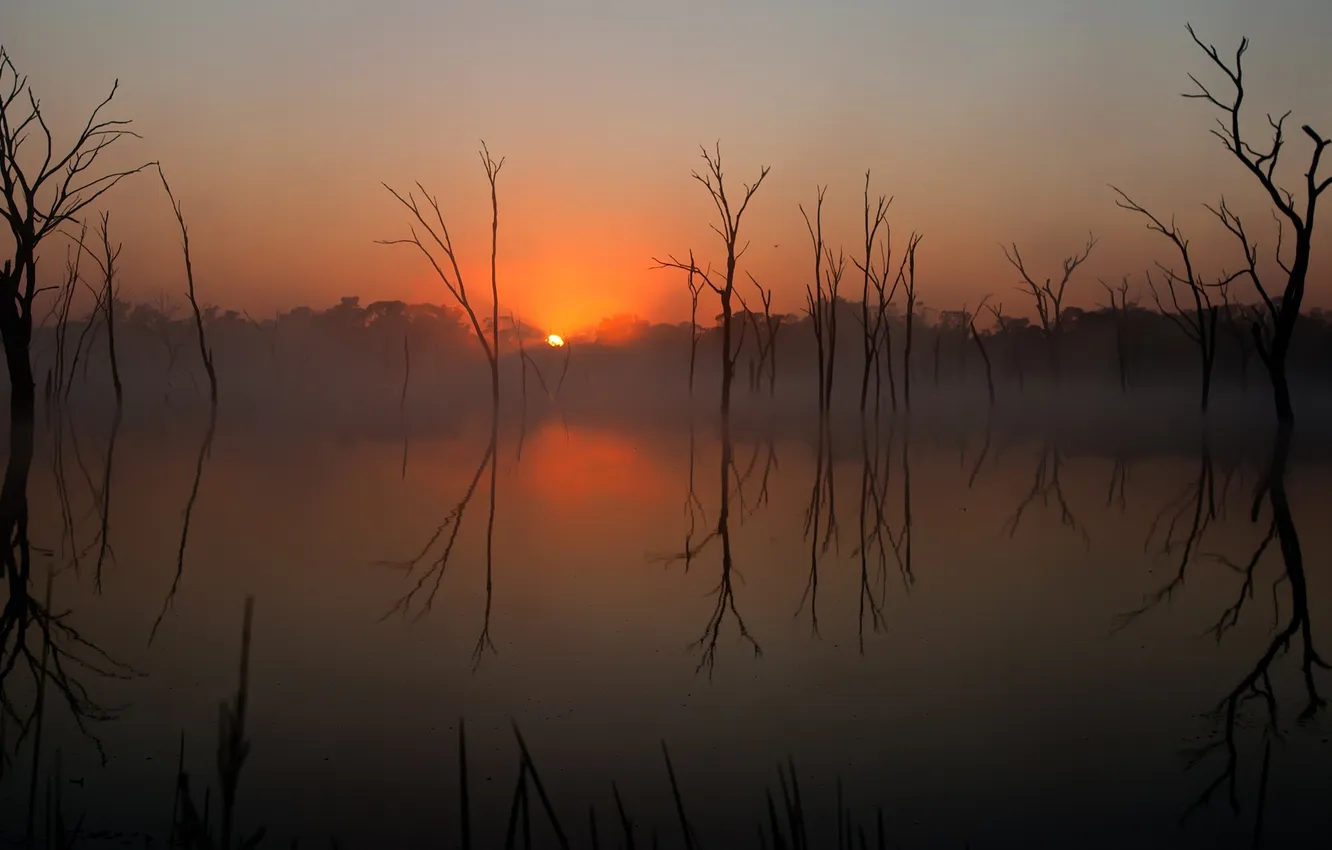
(871, 329)
(814, 298)
(907, 276)
(1049, 297)
(980, 346)
(879, 329)
(88, 333)
(729, 231)
(106, 264)
(832, 276)
(64, 302)
(165, 308)
(1231, 314)
(695, 284)
(772, 323)
(38, 202)
(1008, 327)
(1273, 338)
(438, 233)
(1119, 307)
(205, 352)
(1200, 326)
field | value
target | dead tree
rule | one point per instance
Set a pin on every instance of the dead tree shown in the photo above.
(815, 303)
(205, 352)
(871, 329)
(832, 276)
(1197, 322)
(907, 277)
(106, 264)
(1230, 317)
(163, 320)
(36, 203)
(729, 231)
(938, 344)
(88, 333)
(406, 371)
(1119, 306)
(980, 346)
(1049, 297)
(64, 302)
(695, 287)
(772, 323)
(438, 233)
(1009, 327)
(879, 329)
(1273, 337)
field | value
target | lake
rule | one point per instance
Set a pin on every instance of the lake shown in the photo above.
(986, 637)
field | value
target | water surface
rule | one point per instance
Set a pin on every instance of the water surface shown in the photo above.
(1002, 637)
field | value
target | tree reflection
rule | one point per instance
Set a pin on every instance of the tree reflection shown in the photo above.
(1297, 631)
(821, 513)
(205, 449)
(876, 533)
(724, 592)
(1045, 485)
(421, 595)
(39, 647)
(1186, 520)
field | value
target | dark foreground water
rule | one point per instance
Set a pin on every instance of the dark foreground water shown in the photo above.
(943, 623)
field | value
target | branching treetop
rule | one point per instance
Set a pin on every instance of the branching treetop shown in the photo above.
(37, 202)
(1262, 164)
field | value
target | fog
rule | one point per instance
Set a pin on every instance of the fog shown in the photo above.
(389, 364)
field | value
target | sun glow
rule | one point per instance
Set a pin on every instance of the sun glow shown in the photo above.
(555, 341)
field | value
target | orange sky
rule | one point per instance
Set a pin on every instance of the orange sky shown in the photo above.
(986, 128)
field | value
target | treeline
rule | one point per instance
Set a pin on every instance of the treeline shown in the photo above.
(355, 344)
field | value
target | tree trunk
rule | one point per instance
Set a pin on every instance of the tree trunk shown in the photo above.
(727, 365)
(111, 344)
(1281, 392)
(17, 331)
(1206, 382)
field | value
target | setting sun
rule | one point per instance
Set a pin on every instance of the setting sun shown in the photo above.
(555, 340)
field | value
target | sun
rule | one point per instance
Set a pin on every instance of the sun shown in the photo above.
(555, 341)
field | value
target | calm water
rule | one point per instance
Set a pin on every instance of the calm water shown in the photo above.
(973, 675)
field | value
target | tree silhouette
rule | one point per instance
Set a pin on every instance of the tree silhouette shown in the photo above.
(1272, 338)
(438, 233)
(37, 202)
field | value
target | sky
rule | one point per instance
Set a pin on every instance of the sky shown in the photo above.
(988, 121)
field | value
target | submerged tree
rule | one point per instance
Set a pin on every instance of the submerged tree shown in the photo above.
(907, 275)
(37, 202)
(815, 301)
(832, 277)
(1048, 297)
(772, 323)
(695, 284)
(728, 229)
(871, 327)
(1119, 307)
(438, 233)
(980, 346)
(106, 297)
(1273, 337)
(1198, 321)
(879, 329)
(205, 352)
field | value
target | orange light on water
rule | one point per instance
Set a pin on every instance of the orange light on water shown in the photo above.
(555, 341)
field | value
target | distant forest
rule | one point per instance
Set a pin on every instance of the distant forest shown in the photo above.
(354, 349)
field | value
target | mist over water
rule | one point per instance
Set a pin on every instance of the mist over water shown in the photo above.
(935, 611)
